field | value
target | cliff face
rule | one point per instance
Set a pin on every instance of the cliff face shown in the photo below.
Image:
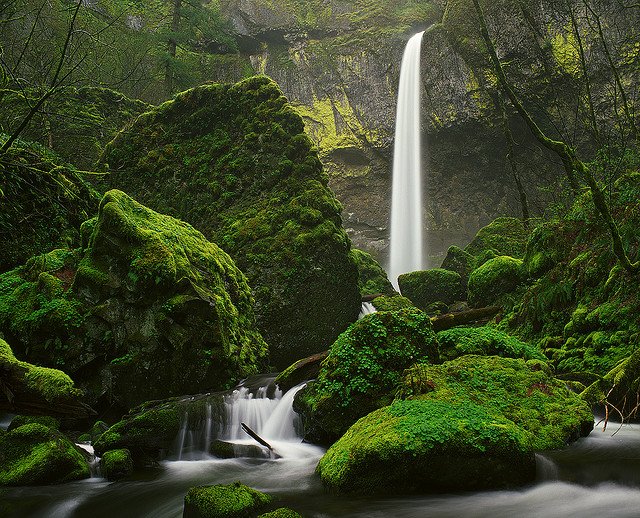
(338, 63)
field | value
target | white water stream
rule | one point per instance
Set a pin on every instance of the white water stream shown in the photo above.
(406, 247)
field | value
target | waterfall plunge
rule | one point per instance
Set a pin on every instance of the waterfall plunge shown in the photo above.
(406, 199)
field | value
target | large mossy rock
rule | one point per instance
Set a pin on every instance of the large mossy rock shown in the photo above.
(34, 454)
(495, 278)
(503, 236)
(116, 464)
(469, 424)
(37, 390)
(147, 309)
(233, 160)
(220, 501)
(372, 279)
(43, 203)
(362, 369)
(427, 287)
(484, 340)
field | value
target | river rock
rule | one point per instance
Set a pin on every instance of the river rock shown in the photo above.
(148, 308)
(116, 464)
(361, 371)
(220, 501)
(34, 454)
(229, 450)
(233, 160)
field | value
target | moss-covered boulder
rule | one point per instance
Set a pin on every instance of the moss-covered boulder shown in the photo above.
(37, 390)
(427, 287)
(459, 261)
(372, 278)
(484, 340)
(468, 424)
(281, 512)
(233, 160)
(495, 278)
(392, 303)
(362, 369)
(33, 454)
(116, 464)
(44, 201)
(503, 236)
(44, 420)
(428, 446)
(220, 501)
(148, 308)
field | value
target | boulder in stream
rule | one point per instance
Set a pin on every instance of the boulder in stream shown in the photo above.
(224, 501)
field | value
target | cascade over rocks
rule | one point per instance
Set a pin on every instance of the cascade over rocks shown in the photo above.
(148, 308)
(233, 160)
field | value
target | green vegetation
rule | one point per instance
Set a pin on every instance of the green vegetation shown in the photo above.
(471, 423)
(33, 454)
(281, 512)
(148, 299)
(503, 236)
(427, 287)
(392, 303)
(233, 160)
(116, 464)
(231, 501)
(372, 279)
(362, 369)
(495, 278)
(44, 420)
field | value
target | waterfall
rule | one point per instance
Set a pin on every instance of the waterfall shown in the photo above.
(273, 418)
(406, 200)
(366, 309)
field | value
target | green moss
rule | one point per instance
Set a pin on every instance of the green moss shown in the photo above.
(231, 501)
(281, 512)
(428, 446)
(233, 160)
(362, 369)
(44, 420)
(459, 261)
(392, 303)
(484, 340)
(116, 464)
(424, 288)
(166, 311)
(33, 454)
(496, 277)
(372, 278)
(503, 236)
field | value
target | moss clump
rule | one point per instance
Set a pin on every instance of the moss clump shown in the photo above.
(484, 340)
(281, 512)
(492, 280)
(219, 501)
(116, 464)
(427, 287)
(33, 454)
(428, 446)
(43, 203)
(30, 388)
(362, 369)
(459, 261)
(392, 303)
(148, 309)
(233, 160)
(503, 236)
(372, 278)
(468, 424)
(44, 420)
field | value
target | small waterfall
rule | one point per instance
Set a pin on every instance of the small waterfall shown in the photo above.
(546, 469)
(94, 461)
(252, 409)
(366, 309)
(406, 201)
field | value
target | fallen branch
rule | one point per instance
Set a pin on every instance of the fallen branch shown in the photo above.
(255, 436)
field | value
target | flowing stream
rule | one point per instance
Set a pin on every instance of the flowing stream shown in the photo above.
(406, 246)
(595, 477)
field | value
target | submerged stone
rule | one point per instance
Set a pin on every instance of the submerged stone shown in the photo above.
(233, 160)
(220, 501)
(33, 454)
(147, 309)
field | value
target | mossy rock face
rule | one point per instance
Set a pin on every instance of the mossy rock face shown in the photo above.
(392, 303)
(43, 203)
(503, 236)
(234, 161)
(147, 309)
(372, 277)
(425, 447)
(220, 501)
(495, 278)
(484, 340)
(149, 431)
(37, 390)
(44, 420)
(427, 287)
(362, 369)
(459, 261)
(116, 464)
(468, 424)
(33, 454)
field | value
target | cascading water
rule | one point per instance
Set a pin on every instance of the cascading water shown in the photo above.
(406, 201)
(366, 309)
